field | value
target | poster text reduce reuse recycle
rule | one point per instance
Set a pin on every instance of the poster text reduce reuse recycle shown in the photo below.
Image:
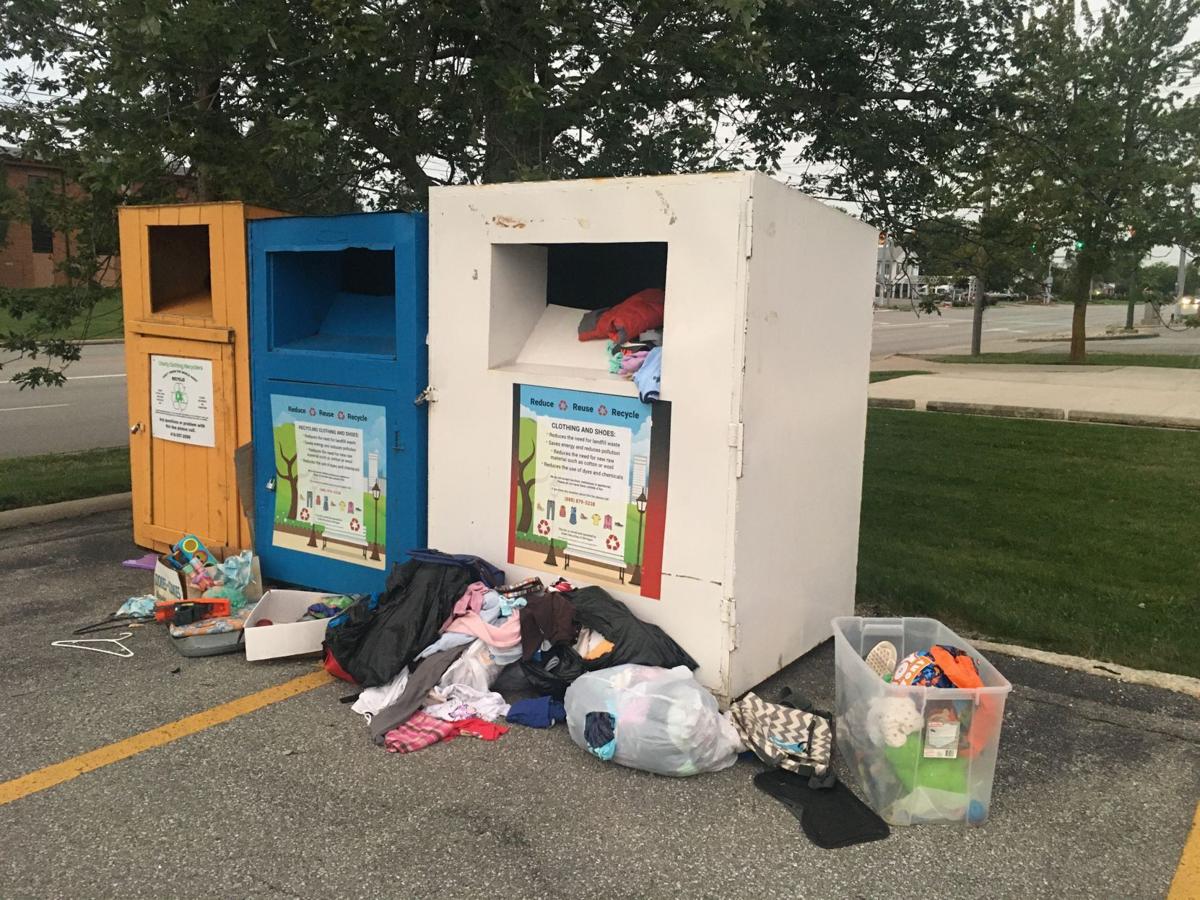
(589, 486)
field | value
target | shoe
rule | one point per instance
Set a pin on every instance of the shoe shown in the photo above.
(882, 659)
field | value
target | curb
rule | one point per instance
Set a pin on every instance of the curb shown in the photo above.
(68, 509)
(889, 403)
(101, 341)
(996, 409)
(1054, 339)
(1182, 684)
(1133, 420)
(1107, 418)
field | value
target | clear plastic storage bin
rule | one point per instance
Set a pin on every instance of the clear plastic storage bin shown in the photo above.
(920, 754)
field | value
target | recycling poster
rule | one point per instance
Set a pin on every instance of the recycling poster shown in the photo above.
(181, 400)
(331, 486)
(588, 491)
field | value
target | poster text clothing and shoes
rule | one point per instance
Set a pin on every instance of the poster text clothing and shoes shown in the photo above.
(589, 486)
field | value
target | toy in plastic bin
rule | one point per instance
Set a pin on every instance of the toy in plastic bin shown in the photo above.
(189, 549)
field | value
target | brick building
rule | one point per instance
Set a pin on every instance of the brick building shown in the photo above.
(31, 250)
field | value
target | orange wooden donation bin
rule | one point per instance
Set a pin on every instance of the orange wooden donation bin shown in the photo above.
(187, 359)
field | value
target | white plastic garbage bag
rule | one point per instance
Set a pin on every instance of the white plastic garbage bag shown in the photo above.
(658, 720)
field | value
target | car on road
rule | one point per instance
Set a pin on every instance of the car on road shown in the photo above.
(1189, 306)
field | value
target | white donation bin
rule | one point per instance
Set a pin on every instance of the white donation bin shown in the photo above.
(726, 509)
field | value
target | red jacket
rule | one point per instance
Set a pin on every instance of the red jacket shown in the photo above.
(629, 318)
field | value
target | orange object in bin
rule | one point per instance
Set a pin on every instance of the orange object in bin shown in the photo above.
(187, 360)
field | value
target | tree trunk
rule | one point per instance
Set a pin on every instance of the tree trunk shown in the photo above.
(977, 318)
(1083, 277)
(1133, 277)
(512, 124)
(208, 114)
(525, 486)
(293, 480)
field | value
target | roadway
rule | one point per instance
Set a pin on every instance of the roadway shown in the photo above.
(88, 411)
(902, 331)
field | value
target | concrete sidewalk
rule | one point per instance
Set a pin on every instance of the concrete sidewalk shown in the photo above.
(1140, 395)
(1094, 794)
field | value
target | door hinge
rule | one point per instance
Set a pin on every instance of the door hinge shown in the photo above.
(429, 395)
(397, 444)
(737, 440)
(749, 226)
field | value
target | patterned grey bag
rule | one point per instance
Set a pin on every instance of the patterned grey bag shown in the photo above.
(782, 736)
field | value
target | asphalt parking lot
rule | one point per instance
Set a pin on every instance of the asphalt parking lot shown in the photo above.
(1094, 795)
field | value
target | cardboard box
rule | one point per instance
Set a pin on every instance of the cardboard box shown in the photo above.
(287, 635)
(171, 584)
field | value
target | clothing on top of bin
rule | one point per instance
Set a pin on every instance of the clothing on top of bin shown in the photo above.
(588, 324)
(830, 817)
(537, 712)
(782, 736)
(425, 675)
(648, 377)
(373, 643)
(629, 318)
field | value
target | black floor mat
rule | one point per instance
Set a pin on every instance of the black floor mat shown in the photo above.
(831, 818)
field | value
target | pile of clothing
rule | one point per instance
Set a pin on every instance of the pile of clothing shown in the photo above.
(433, 652)
(633, 333)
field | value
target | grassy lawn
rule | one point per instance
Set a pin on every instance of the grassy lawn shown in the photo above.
(899, 373)
(1068, 537)
(34, 480)
(107, 320)
(1094, 358)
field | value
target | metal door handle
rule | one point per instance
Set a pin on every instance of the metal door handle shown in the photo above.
(271, 484)
(136, 429)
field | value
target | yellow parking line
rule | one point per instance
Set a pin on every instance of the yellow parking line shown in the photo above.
(1186, 885)
(56, 774)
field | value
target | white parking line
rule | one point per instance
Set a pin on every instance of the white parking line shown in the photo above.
(47, 406)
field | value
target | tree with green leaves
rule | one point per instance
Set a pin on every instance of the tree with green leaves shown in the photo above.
(325, 104)
(1101, 138)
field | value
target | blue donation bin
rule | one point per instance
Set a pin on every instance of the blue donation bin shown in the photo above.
(338, 352)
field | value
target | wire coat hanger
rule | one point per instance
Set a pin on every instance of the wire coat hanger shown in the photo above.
(84, 644)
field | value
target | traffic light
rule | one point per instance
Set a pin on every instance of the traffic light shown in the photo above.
(1078, 244)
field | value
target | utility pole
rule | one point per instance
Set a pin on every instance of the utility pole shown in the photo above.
(1181, 277)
